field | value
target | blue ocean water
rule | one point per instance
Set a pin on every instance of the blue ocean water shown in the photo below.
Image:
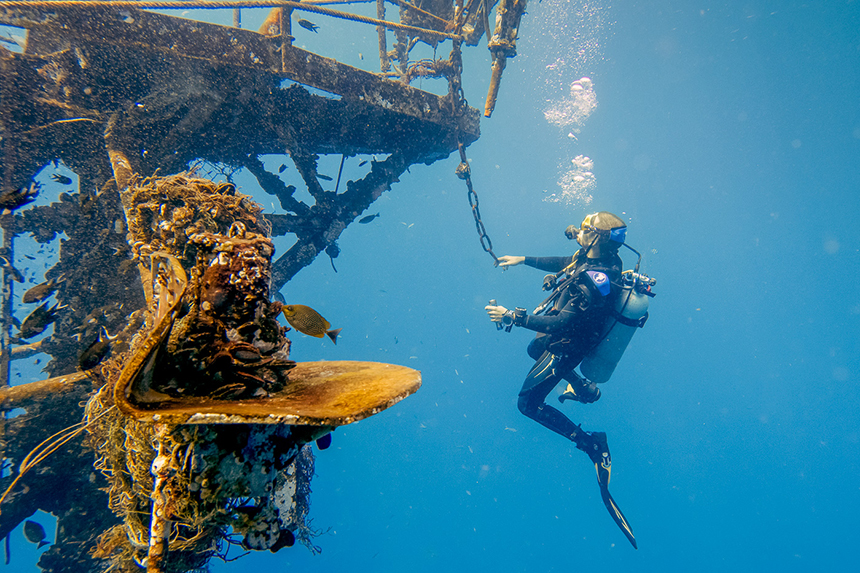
(728, 137)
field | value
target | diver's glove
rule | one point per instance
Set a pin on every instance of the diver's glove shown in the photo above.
(550, 281)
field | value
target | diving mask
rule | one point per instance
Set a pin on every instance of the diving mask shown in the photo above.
(615, 234)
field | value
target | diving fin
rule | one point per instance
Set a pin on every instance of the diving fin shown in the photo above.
(616, 514)
(599, 454)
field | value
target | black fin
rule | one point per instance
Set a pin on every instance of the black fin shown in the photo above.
(333, 334)
(616, 514)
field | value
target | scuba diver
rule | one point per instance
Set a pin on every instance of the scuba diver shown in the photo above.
(590, 316)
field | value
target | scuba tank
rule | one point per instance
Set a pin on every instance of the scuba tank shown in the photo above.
(630, 313)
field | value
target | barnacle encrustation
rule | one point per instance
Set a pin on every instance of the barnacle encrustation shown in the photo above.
(211, 420)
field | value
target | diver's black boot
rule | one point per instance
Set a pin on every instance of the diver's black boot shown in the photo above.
(587, 392)
(598, 450)
(594, 444)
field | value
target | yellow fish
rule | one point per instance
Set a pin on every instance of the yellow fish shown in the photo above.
(308, 321)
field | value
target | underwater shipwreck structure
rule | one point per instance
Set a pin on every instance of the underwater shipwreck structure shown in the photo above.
(188, 430)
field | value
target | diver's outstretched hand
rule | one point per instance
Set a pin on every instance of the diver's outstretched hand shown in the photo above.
(496, 312)
(506, 261)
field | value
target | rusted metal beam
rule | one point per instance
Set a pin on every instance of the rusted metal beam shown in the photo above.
(326, 221)
(503, 45)
(150, 34)
(163, 91)
(384, 64)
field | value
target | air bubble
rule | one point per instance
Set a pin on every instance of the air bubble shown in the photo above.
(575, 185)
(574, 111)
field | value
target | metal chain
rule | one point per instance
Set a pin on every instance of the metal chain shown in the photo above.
(464, 172)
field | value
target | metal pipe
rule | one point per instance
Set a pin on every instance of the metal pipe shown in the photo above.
(384, 63)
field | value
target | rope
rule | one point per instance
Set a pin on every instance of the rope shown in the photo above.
(215, 4)
(48, 446)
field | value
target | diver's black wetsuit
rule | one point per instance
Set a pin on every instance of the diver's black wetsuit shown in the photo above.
(565, 335)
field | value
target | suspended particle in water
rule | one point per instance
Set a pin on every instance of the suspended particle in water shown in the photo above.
(576, 31)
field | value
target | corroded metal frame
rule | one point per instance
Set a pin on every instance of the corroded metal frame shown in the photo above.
(163, 91)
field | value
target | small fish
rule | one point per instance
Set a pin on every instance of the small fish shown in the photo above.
(93, 355)
(96, 315)
(17, 43)
(39, 320)
(333, 251)
(61, 179)
(323, 177)
(362, 163)
(14, 198)
(14, 273)
(308, 25)
(324, 442)
(367, 219)
(308, 321)
(282, 168)
(88, 200)
(35, 533)
(41, 291)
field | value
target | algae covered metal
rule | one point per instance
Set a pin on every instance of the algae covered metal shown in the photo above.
(197, 418)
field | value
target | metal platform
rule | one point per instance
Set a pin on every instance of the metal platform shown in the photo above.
(179, 90)
(99, 83)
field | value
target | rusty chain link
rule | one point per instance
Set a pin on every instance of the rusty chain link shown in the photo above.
(464, 172)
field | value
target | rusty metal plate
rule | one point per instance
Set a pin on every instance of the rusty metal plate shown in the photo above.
(323, 393)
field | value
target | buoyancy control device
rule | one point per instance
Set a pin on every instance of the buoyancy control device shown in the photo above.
(630, 313)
